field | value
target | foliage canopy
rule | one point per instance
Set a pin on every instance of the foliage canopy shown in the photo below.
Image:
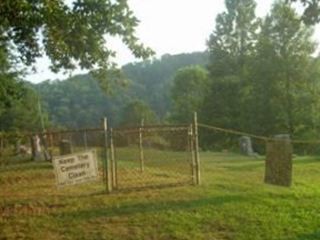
(70, 35)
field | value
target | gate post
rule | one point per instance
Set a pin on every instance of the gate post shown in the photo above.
(113, 162)
(106, 161)
(141, 147)
(196, 147)
(191, 149)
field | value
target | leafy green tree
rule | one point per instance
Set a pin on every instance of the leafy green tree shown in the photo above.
(270, 86)
(281, 76)
(18, 102)
(222, 106)
(11, 86)
(23, 114)
(314, 91)
(189, 87)
(71, 35)
(311, 14)
(79, 102)
(156, 77)
(233, 39)
(263, 93)
(135, 111)
(231, 47)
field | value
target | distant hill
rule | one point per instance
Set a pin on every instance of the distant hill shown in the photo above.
(79, 102)
(152, 79)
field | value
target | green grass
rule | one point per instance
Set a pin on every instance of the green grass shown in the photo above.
(232, 203)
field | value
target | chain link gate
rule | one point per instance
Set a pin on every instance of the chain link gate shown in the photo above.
(152, 156)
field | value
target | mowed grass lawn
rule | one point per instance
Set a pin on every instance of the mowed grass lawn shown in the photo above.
(232, 203)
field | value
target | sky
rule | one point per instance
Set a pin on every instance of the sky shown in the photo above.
(167, 26)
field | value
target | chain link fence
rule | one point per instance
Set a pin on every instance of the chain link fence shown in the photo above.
(26, 162)
(128, 158)
(280, 153)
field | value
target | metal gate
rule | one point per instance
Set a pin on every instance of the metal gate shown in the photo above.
(152, 156)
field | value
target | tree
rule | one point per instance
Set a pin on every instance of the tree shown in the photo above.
(231, 47)
(311, 14)
(156, 77)
(270, 89)
(11, 86)
(188, 90)
(79, 102)
(135, 111)
(23, 114)
(264, 107)
(233, 39)
(282, 70)
(70, 35)
(12, 90)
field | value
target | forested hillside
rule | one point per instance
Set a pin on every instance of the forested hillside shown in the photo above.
(79, 101)
(258, 75)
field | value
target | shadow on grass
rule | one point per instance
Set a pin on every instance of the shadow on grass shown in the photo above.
(310, 236)
(25, 166)
(311, 159)
(144, 208)
(127, 190)
(153, 186)
(245, 167)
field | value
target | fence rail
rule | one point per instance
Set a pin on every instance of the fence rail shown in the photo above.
(258, 137)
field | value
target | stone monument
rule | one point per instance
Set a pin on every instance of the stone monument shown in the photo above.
(36, 148)
(65, 147)
(278, 168)
(246, 146)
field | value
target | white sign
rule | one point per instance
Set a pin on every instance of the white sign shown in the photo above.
(76, 168)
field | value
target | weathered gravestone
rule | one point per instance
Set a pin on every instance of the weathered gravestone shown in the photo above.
(246, 146)
(35, 147)
(47, 154)
(22, 149)
(65, 147)
(17, 146)
(278, 168)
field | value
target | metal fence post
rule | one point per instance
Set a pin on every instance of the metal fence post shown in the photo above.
(141, 146)
(196, 148)
(113, 162)
(1, 145)
(85, 140)
(191, 149)
(106, 163)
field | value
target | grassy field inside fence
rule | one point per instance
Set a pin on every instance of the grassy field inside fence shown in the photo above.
(231, 203)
